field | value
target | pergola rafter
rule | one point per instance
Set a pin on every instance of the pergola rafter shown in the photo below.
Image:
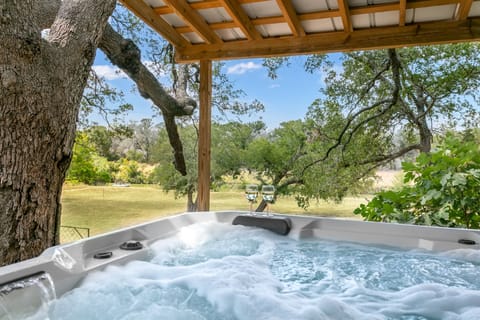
(183, 9)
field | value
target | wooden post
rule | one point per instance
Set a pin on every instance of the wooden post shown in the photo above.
(204, 139)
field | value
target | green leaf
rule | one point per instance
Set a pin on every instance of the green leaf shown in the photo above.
(445, 179)
(459, 179)
(431, 194)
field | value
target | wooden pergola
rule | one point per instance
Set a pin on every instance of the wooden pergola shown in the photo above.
(202, 31)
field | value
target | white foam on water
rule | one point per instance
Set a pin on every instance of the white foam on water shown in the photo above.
(463, 254)
(215, 271)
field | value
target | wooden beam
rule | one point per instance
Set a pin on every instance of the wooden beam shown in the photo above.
(204, 139)
(464, 9)
(319, 15)
(365, 39)
(290, 14)
(194, 19)
(146, 13)
(238, 15)
(268, 20)
(402, 13)
(206, 4)
(429, 3)
(345, 14)
(374, 8)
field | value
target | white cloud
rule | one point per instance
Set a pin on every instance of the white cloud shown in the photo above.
(275, 85)
(243, 67)
(109, 72)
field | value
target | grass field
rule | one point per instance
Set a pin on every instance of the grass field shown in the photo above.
(106, 208)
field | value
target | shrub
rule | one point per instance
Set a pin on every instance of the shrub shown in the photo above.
(442, 189)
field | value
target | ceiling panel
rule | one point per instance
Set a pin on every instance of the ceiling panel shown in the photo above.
(436, 13)
(305, 6)
(320, 25)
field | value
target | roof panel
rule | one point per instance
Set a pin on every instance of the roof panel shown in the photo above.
(337, 22)
(387, 18)
(231, 34)
(361, 21)
(174, 20)
(193, 37)
(357, 3)
(332, 4)
(436, 13)
(475, 10)
(409, 15)
(214, 15)
(305, 6)
(319, 25)
(262, 9)
(274, 30)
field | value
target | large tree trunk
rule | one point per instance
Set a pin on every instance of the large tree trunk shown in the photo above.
(41, 84)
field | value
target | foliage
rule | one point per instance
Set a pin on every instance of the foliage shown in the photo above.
(129, 171)
(443, 189)
(87, 166)
(165, 173)
(229, 144)
(273, 156)
(102, 140)
(377, 106)
(90, 166)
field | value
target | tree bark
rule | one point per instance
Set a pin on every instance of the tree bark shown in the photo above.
(426, 135)
(41, 84)
(191, 204)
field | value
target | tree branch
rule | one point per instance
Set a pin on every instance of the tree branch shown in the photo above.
(126, 55)
(395, 65)
(380, 159)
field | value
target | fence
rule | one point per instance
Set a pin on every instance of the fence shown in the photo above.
(70, 234)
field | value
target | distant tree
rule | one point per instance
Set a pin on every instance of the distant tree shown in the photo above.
(165, 173)
(229, 146)
(82, 168)
(372, 98)
(144, 134)
(129, 171)
(87, 165)
(273, 156)
(102, 140)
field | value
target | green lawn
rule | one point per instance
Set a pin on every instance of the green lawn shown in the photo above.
(106, 208)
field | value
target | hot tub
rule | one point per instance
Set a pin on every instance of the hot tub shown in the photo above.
(30, 285)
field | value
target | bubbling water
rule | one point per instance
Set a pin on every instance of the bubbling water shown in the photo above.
(215, 271)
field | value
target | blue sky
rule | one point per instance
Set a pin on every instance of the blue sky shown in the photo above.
(285, 98)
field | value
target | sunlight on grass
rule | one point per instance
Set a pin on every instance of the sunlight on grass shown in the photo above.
(107, 208)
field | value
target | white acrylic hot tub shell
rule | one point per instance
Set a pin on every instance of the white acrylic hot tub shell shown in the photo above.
(68, 264)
